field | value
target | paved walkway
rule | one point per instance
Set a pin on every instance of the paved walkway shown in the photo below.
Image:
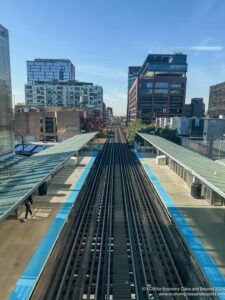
(19, 241)
(207, 222)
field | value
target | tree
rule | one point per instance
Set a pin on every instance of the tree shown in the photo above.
(137, 126)
(169, 134)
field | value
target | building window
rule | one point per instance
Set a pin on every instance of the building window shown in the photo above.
(145, 105)
(160, 105)
(176, 85)
(161, 91)
(49, 125)
(146, 91)
(145, 85)
(176, 98)
(161, 84)
(177, 92)
(161, 99)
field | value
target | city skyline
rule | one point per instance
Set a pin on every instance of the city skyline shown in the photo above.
(114, 36)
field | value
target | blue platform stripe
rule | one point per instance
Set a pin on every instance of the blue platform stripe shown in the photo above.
(210, 270)
(27, 281)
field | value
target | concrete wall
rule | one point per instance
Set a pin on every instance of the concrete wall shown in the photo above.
(213, 129)
(68, 123)
(181, 124)
(27, 124)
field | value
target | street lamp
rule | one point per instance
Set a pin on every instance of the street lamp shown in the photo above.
(223, 141)
(22, 139)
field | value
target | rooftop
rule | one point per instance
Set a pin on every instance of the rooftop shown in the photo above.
(170, 63)
(3, 31)
(133, 69)
(22, 179)
(206, 170)
(218, 85)
(63, 82)
(52, 60)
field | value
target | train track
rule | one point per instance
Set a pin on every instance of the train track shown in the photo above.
(119, 241)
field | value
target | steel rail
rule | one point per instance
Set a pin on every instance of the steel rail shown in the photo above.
(96, 235)
(107, 187)
(110, 232)
(50, 291)
(81, 222)
(130, 196)
(155, 226)
(137, 220)
(152, 213)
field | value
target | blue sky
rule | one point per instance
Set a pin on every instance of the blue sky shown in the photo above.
(102, 38)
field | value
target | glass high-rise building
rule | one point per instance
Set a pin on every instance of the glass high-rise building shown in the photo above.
(48, 70)
(6, 132)
(132, 75)
(51, 82)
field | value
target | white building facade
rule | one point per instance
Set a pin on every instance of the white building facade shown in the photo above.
(67, 94)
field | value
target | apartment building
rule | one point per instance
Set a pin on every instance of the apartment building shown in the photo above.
(68, 94)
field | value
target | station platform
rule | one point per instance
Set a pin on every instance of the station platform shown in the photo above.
(25, 246)
(202, 225)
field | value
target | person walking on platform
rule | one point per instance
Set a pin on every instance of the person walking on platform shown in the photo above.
(28, 202)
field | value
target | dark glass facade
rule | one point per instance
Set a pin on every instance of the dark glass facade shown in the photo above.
(164, 64)
(47, 70)
(159, 89)
(6, 132)
(132, 75)
(195, 109)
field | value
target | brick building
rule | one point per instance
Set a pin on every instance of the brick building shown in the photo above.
(54, 123)
(159, 89)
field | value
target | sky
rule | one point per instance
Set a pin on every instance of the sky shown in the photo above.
(102, 38)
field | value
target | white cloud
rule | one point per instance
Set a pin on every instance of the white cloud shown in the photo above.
(206, 48)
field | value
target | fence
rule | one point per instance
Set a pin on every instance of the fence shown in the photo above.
(213, 149)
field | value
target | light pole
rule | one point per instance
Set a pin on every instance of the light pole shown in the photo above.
(223, 141)
(22, 139)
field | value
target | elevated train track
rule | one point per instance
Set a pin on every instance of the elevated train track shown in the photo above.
(119, 241)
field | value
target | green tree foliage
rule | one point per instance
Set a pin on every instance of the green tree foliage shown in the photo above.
(138, 126)
(169, 134)
(135, 127)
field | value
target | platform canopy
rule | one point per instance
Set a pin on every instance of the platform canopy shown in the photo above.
(20, 180)
(209, 172)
